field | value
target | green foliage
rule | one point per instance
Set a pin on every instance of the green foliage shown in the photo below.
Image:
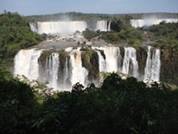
(17, 104)
(121, 32)
(4, 74)
(129, 35)
(90, 62)
(15, 34)
(164, 35)
(88, 34)
(119, 106)
(119, 24)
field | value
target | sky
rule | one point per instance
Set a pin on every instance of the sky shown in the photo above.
(36, 7)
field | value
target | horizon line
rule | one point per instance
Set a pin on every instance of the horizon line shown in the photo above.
(55, 13)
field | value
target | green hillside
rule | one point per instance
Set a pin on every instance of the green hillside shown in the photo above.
(15, 34)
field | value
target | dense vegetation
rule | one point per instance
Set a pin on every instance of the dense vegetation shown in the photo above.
(119, 106)
(164, 35)
(15, 34)
(121, 33)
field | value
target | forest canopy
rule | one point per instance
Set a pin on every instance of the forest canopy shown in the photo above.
(15, 34)
(119, 106)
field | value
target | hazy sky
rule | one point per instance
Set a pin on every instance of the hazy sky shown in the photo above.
(29, 7)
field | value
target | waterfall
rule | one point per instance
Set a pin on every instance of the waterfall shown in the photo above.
(148, 68)
(66, 27)
(151, 21)
(53, 66)
(112, 55)
(102, 25)
(26, 63)
(153, 65)
(66, 84)
(57, 75)
(102, 62)
(33, 27)
(156, 66)
(62, 72)
(79, 73)
(62, 27)
(130, 64)
(109, 26)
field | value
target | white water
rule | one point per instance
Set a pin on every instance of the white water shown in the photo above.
(109, 58)
(109, 26)
(102, 26)
(66, 27)
(150, 21)
(53, 67)
(26, 63)
(130, 61)
(60, 27)
(102, 62)
(153, 65)
(79, 73)
(112, 55)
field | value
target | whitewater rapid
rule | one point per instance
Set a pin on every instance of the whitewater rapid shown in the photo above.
(62, 73)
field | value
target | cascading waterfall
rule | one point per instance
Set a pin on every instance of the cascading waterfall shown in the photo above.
(33, 27)
(26, 63)
(67, 27)
(130, 62)
(60, 73)
(148, 67)
(66, 78)
(156, 66)
(53, 67)
(112, 56)
(79, 73)
(109, 26)
(102, 62)
(62, 27)
(102, 26)
(153, 65)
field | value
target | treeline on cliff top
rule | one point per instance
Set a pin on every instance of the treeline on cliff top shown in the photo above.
(119, 106)
(164, 35)
(95, 16)
(15, 34)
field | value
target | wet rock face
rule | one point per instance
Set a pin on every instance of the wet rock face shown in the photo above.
(169, 68)
(122, 52)
(91, 63)
(141, 57)
(43, 66)
(64, 68)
